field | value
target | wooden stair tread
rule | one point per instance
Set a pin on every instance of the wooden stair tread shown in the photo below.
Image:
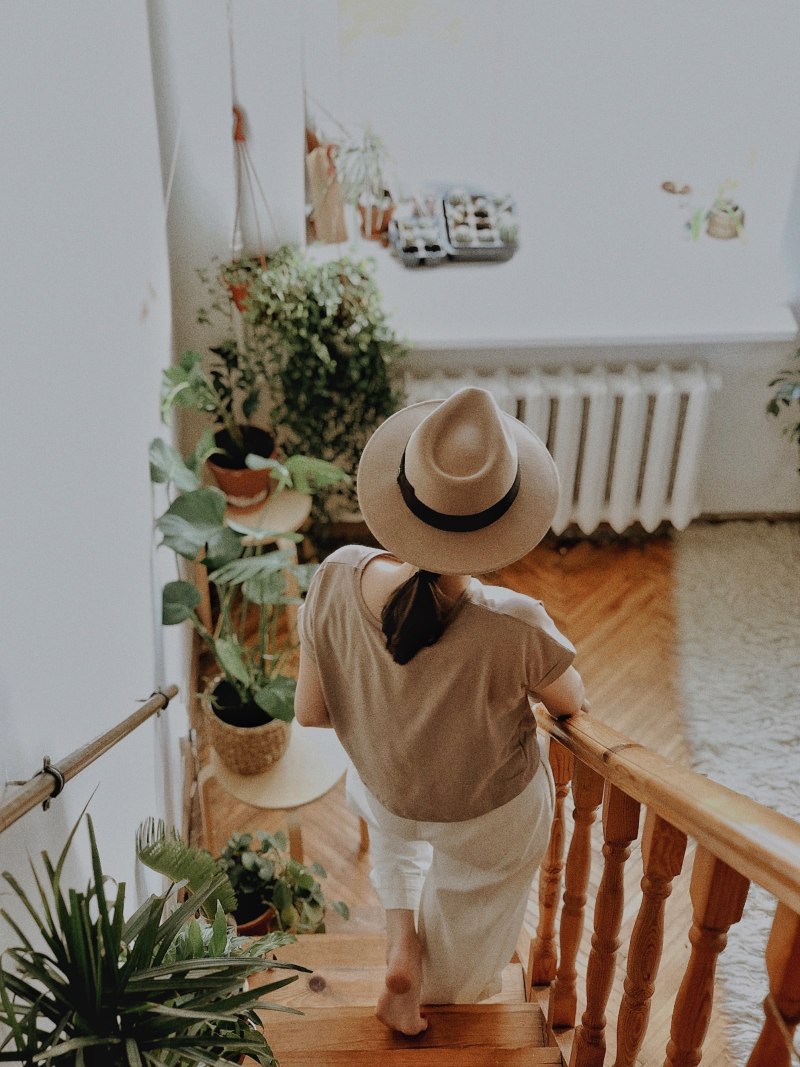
(461, 1035)
(338, 1025)
(349, 971)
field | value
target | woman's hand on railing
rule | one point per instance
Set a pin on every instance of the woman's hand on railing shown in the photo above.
(566, 696)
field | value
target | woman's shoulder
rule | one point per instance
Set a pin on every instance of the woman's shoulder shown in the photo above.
(349, 556)
(507, 603)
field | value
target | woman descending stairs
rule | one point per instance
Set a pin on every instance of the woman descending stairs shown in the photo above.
(338, 1025)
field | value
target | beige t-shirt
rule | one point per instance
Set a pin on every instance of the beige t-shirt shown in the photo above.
(449, 735)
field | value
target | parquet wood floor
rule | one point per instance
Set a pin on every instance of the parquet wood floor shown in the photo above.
(615, 603)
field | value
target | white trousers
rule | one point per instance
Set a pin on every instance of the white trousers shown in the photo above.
(468, 883)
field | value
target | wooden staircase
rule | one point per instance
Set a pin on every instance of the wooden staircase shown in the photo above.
(338, 1025)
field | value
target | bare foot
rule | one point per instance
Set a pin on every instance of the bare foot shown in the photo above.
(398, 1006)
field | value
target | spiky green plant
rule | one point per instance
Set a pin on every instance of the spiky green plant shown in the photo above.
(257, 879)
(106, 991)
(164, 850)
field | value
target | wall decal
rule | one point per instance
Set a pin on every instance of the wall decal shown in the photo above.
(723, 218)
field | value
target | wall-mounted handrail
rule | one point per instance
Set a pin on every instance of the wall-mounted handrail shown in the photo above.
(759, 843)
(49, 782)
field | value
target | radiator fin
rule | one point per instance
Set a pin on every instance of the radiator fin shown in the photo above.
(627, 443)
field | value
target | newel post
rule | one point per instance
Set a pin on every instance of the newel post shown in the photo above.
(542, 960)
(782, 1006)
(718, 896)
(587, 793)
(663, 849)
(620, 828)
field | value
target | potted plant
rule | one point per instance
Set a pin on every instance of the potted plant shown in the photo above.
(725, 219)
(786, 395)
(266, 889)
(361, 169)
(249, 701)
(274, 889)
(103, 990)
(327, 351)
(229, 389)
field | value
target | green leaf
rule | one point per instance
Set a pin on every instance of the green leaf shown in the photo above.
(696, 224)
(308, 474)
(178, 602)
(239, 570)
(196, 521)
(266, 589)
(132, 1053)
(341, 908)
(230, 656)
(203, 450)
(277, 698)
(219, 932)
(282, 898)
(165, 851)
(166, 465)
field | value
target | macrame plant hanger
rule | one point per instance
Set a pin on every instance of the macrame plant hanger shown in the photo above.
(246, 177)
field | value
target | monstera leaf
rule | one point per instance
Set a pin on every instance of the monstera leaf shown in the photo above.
(178, 602)
(196, 522)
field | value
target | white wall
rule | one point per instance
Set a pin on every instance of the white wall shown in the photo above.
(581, 111)
(194, 95)
(86, 328)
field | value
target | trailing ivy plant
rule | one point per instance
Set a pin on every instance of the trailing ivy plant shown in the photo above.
(321, 341)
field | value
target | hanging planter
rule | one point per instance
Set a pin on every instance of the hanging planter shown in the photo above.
(376, 216)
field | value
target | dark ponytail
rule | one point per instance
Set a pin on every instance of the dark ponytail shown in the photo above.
(413, 616)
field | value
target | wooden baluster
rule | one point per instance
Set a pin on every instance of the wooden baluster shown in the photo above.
(663, 849)
(620, 828)
(718, 894)
(783, 968)
(587, 793)
(542, 959)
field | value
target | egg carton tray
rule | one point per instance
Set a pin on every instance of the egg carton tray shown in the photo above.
(460, 227)
(479, 226)
(418, 241)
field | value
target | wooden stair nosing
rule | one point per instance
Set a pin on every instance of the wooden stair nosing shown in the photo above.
(452, 1026)
(411, 1056)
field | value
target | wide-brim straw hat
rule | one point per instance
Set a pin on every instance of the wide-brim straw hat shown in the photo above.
(457, 486)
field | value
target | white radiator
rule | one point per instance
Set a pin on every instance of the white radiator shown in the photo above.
(626, 443)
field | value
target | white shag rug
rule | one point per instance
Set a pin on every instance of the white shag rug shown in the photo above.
(737, 589)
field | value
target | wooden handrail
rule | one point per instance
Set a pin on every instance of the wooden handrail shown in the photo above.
(759, 843)
(49, 782)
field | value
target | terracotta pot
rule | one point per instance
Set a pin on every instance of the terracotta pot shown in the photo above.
(264, 923)
(375, 220)
(238, 294)
(244, 743)
(243, 487)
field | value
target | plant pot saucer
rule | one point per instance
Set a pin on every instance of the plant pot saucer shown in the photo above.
(313, 763)
(283, 512)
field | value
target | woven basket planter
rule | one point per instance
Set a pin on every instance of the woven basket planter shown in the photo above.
(245, 749)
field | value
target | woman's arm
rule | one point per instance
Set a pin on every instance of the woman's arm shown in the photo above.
(309, 702)
(565, 696)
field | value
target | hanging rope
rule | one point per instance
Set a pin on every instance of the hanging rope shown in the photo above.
(247, 180)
